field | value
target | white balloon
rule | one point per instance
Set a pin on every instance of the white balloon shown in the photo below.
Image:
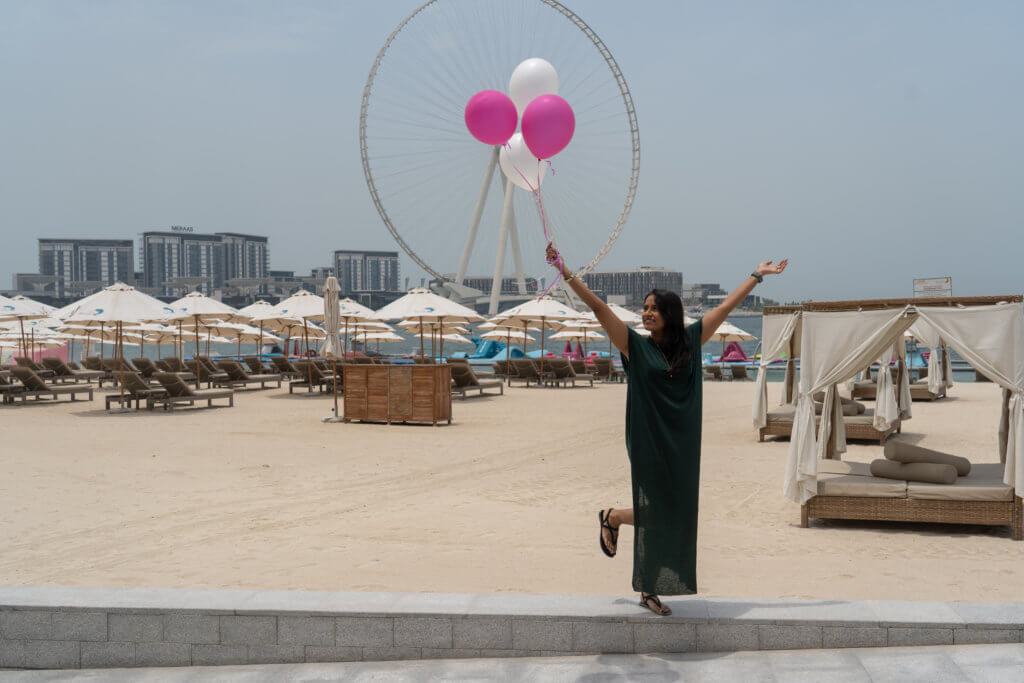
(516, 155)
(531, 79)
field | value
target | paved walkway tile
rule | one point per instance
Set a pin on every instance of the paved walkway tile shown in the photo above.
(974, 663)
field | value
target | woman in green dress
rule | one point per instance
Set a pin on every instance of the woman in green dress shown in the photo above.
(663, 429)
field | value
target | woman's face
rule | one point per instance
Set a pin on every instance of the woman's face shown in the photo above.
(653, 322)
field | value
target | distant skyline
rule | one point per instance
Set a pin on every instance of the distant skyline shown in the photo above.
(871, 143)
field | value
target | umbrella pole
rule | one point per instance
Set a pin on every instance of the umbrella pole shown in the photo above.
(441, 334)
(542, 321)
(120, 357)
(421, 336)
(101, 341)
(24, 346)
(195, 356)
(309, 361)
(508, 356)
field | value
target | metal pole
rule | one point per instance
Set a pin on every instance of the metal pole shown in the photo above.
(499, 261)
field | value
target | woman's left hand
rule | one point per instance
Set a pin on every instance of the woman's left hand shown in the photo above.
(767, 268)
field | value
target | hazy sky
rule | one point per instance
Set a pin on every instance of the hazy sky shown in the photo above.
(871, 142)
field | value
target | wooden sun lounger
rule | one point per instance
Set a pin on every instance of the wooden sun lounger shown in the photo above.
(739, 372)
(255, 365)
(65, 373)
(562, 372)
(284, 366)
(36, 388)
(918, 391)
(202, 371)
(465, 380)
(238, 376)
(8, 388)
(40, 370)
(307, 370)
(527, 371)
(605, 370)
(178, 392)
(136, 389)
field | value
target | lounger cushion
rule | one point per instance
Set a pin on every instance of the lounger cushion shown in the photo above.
(984, 483)
(908, 453)
(860, 486)
(914, 471)
(849, 409)
(783, 414)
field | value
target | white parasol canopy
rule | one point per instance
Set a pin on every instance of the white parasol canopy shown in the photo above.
(507, 335)
(625, 315)
(302, 304)
(256, 308)
(423, 305)
(578, 335)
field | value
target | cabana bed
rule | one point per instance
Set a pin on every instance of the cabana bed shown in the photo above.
(838, 338)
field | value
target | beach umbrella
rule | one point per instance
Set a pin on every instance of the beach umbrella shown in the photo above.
(196, 308)
(727, 332)
(578, 335)
(382, 337)
(254, 311)
(544, 313)
(20, 311)
(305, 305)
(514, 327)
(118, 305)
(351, 312)
(424, 306)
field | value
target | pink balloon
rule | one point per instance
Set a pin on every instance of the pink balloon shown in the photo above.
(491, 117)
(548, 125)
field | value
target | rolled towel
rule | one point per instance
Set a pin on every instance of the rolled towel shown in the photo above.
(929, 472)
(904, 452)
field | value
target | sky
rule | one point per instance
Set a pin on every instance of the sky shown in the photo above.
(871, 142)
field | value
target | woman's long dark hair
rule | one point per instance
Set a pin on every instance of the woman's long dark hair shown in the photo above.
(675, 343)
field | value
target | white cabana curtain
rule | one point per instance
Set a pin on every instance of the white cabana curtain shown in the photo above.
(991, 339)
(834, 347)
(927, 334)
(886, 409)
(776, 332)
(903, 398)
(947, 366)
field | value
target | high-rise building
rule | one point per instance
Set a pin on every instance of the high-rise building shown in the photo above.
(629, 287)
(366, 271)
(176, 261)
(86, 264)
(509, 285)
(180, 259)
(245, 256)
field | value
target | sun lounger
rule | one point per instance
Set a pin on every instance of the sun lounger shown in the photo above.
(918, 391)
(178, 392)
(38, 368)
(199, 369)
(605, 369)
(859, 427)
(310, 376)
(238, 376)
(284, 366)
(145, 367)
(478, 373)
(62, 372)
(714, 372)
(173, 364)
(846, 490)
(136, 389)
(502, 368)
(9, 388)
(423, 360)
(465, 380)
(563, 373)
(255, 365)
(527, 371)
(36, 388)
(739, 372)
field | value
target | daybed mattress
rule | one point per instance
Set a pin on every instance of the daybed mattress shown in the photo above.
(841, 478)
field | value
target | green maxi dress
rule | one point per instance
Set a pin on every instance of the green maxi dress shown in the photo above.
(663, 428)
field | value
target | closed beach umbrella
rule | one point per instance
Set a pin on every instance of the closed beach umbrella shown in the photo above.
(332, 325)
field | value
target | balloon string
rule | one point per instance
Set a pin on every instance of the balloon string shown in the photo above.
(558, 263)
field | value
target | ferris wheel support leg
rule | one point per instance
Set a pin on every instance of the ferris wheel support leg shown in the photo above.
(507, 218)
(517, 254)
(467, 250)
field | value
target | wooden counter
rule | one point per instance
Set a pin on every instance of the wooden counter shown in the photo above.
(398, 393)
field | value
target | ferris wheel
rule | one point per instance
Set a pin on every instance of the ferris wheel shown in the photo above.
(442, 195)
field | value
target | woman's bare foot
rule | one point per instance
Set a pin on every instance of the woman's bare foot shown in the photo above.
(609, 533)
(651, 602)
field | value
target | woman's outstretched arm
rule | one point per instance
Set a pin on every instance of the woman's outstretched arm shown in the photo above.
(718, 315)
(617, 331)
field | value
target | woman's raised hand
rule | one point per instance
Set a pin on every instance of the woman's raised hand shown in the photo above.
(767, 268)
(551, 255)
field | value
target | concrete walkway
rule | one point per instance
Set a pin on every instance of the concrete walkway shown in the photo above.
(987, 663)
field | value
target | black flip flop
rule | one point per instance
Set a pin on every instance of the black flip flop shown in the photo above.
(646, 599)
(605, 516)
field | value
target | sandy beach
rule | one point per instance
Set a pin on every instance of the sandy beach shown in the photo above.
(264, 495)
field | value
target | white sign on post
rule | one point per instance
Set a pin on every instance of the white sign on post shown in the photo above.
(932, 287)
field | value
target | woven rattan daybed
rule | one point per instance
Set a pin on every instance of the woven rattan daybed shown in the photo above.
(846, 490)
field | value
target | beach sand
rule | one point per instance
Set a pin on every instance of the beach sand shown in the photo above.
(505, 500)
